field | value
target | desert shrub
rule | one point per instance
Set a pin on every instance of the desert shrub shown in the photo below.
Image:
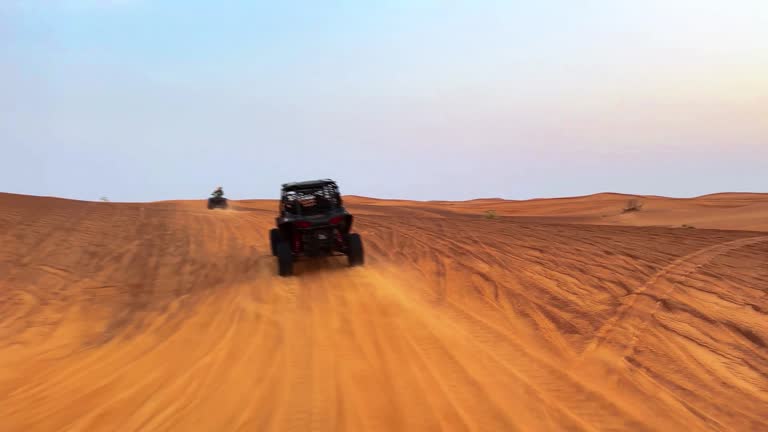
(105, 199)
(633, 205)
(490, 214)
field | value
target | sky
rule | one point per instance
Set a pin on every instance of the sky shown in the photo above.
(141, 100)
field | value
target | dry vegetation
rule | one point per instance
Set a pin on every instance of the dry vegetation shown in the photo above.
(633, 205)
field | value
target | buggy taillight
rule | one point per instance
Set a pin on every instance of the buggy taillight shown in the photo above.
(302, 224)
(336, 220)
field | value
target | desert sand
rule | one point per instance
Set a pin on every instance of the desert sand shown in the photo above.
(557, 315)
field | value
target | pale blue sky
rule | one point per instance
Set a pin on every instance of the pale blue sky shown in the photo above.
(147, 100)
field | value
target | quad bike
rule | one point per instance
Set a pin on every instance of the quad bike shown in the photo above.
(313, 223)
(217, 202)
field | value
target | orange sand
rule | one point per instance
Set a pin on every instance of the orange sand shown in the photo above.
(554, 316)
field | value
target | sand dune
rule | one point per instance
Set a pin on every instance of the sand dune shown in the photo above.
(555, 316)
(733, 211)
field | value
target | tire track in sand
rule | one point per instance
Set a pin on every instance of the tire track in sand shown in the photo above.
(622, 329)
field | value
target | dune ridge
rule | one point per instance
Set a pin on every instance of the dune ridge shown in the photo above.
(728, 210)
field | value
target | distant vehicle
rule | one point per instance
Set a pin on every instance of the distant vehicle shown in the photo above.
(313, 223)
(217, 202)
(217, 199)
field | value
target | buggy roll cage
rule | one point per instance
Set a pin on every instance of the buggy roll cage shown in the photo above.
(310, 197)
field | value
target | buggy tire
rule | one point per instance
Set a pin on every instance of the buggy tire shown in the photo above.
(210, 205)
(355, 252)
(274, 239)
(284, 258)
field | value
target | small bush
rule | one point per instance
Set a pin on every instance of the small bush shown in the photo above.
(490, 214)
(633, 205)
(105, 199)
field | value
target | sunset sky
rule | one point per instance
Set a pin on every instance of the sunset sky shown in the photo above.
(142, 100)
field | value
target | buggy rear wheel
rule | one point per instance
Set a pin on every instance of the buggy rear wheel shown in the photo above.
(274, 239)
(284, 258)
(355, 252)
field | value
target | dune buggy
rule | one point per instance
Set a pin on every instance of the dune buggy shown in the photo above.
(217, 202)
(313, 223)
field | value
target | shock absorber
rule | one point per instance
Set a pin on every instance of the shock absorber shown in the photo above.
(339, 239)
(296, 241)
